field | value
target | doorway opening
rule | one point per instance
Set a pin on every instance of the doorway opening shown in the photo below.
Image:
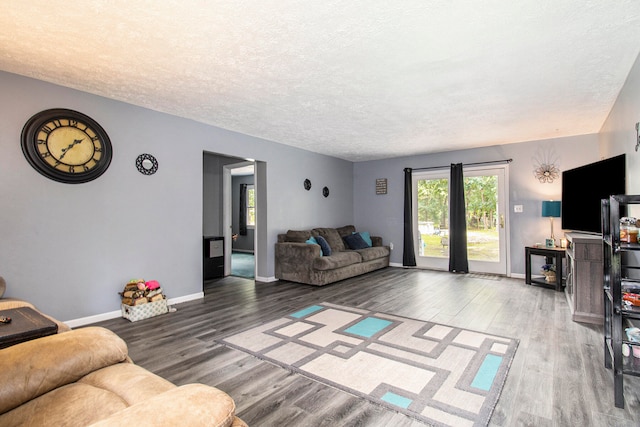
(225, 231)
(242, 219)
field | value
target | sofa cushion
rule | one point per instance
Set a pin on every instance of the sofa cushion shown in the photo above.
(355, 241)
(337, 260)
(298, 236)
(374, 252)
(346, 230)
(332, 237)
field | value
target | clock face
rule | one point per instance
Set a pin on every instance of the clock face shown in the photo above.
(66, 146)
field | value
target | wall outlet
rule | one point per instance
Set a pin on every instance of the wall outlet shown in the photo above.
(518, 208)
(391, 246)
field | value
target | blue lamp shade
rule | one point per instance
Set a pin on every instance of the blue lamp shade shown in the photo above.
(550, 209)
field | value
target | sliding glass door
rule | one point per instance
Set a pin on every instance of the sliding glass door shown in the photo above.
(485, 202)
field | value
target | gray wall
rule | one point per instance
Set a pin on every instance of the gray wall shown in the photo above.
(70, 248)
(618, 134)
(383, 214)
(242, 243)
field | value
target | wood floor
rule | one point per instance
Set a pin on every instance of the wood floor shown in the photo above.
(557, 377)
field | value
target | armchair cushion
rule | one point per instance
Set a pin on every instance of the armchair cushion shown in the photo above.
(36, 367)
(188, 405)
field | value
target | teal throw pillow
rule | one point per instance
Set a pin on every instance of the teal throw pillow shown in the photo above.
(365, 236)
(326, 249)
(313, 241)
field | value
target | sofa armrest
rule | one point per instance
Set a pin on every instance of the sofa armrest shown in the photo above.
(376, 241)
(188, 405)
(33, 368)
(294, 261)
(296, 253)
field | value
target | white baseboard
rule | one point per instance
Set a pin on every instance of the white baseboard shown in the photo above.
(83, 321)
(185, 298)
(395, 264)
(266, 279)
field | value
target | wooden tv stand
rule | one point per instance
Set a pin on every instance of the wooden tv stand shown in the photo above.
(584, 278)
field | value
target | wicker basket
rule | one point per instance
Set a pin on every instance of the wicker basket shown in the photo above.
(144, 311)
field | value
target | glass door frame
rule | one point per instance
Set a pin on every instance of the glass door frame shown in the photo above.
(438, 263)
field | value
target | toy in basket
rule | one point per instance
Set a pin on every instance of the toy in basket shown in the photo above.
(141, 300)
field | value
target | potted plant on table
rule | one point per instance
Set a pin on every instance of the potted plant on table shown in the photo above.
(549, 272)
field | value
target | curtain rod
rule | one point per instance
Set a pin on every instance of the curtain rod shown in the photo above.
(466, 164)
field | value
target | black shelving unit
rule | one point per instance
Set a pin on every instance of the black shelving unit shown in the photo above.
(213, 262)
(620, 267)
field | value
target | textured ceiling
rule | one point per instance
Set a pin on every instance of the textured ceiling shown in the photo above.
(358, 80)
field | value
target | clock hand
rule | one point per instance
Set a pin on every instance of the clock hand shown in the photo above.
(66, 150)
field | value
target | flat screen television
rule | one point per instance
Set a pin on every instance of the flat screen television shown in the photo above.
(584, 187)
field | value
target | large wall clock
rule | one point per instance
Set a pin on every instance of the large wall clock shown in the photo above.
(66, 146)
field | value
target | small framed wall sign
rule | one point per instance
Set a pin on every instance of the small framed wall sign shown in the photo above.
(381, 186)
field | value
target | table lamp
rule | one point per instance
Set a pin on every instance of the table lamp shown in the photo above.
(551, 210)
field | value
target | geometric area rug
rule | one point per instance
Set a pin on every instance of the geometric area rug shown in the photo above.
(440, 375)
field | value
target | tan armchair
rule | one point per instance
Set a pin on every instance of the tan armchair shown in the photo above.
(84, 377)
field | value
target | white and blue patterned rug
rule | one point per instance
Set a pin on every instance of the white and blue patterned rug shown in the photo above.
(441, 375)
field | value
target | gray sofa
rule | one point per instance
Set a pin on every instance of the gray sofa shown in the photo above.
(298, 261)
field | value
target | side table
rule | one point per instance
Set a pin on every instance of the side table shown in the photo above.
(26, 324)
(552, 256)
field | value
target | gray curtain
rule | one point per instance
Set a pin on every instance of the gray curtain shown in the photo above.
(408, 253)
(243, 209)
(458, 260)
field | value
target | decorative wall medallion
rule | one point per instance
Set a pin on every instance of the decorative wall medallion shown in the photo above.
(547, 173)
(545, 163)
(307, 184)
(325, 191)
(147, 164)
(66, 146)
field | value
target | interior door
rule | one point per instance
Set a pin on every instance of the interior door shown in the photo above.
(487, 228)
